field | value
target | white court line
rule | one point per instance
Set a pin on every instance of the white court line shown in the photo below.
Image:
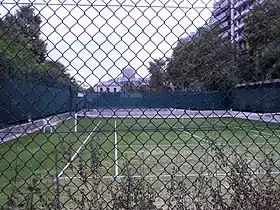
(193, 135)
(198, 137)
(116, 150)
(256, 131)
(168, 175)
(270, 135)
(146, 146)
(152, 145)
(78, 150)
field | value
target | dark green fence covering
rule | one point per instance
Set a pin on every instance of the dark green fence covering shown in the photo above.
(264, 97)
(180, 100)
(22, 100)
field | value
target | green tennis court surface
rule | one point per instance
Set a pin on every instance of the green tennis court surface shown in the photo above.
(151, 147)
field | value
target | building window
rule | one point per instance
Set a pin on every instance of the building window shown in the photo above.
(115, 89)
(101, 89)
(108, 89)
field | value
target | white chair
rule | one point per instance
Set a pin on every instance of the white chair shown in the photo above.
(48, 126)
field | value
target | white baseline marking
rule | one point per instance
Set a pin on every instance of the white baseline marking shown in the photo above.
(263, 134)
(198, 137)
(78, 150)
(259, 132)
(168, 175)
(193, 135)
(146, 146)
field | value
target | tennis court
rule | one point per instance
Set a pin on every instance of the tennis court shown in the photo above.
(154, 148)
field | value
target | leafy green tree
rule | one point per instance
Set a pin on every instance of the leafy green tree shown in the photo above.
(19, 34)
(144, 88)
(159, 80)
(262, 32)
(206, 62)
(17, 58)
(23, 52)
(56, 71)
(128, 87)
(24, 27)
(245, 69)
(263, 26)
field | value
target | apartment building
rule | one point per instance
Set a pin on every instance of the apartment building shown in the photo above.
(221, 17)
(241, 10)
(230, 15)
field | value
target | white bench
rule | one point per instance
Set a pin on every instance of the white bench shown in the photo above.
(48, 126)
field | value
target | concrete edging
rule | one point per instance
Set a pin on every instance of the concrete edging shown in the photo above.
(17, 131)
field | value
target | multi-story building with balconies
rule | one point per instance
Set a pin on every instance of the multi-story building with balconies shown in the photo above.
(241, 9)
(230, 15)
(221, 18)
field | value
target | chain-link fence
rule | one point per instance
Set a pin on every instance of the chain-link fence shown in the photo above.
(140, 104)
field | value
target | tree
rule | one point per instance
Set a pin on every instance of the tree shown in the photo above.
(157, 69)
(207, 62)
(23, 52)
(24, 27)
(20, 42)
(128, 87)
(144, 88)
(56, 71)
(263, 26)
(245, 68)
(18, 59)
(262, 33)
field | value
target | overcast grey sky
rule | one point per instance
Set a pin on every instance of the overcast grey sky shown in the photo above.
(96, 41)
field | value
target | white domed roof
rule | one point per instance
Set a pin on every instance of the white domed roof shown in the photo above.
(128, 72)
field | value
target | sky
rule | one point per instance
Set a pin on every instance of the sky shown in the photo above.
(96, 39)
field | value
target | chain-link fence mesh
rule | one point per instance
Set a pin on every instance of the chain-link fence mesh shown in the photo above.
(140, 104)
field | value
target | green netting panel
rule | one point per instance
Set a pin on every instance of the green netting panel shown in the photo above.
(114, 100)
(6, 104)
(31, 100)
(183, 100)
(257, 98)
